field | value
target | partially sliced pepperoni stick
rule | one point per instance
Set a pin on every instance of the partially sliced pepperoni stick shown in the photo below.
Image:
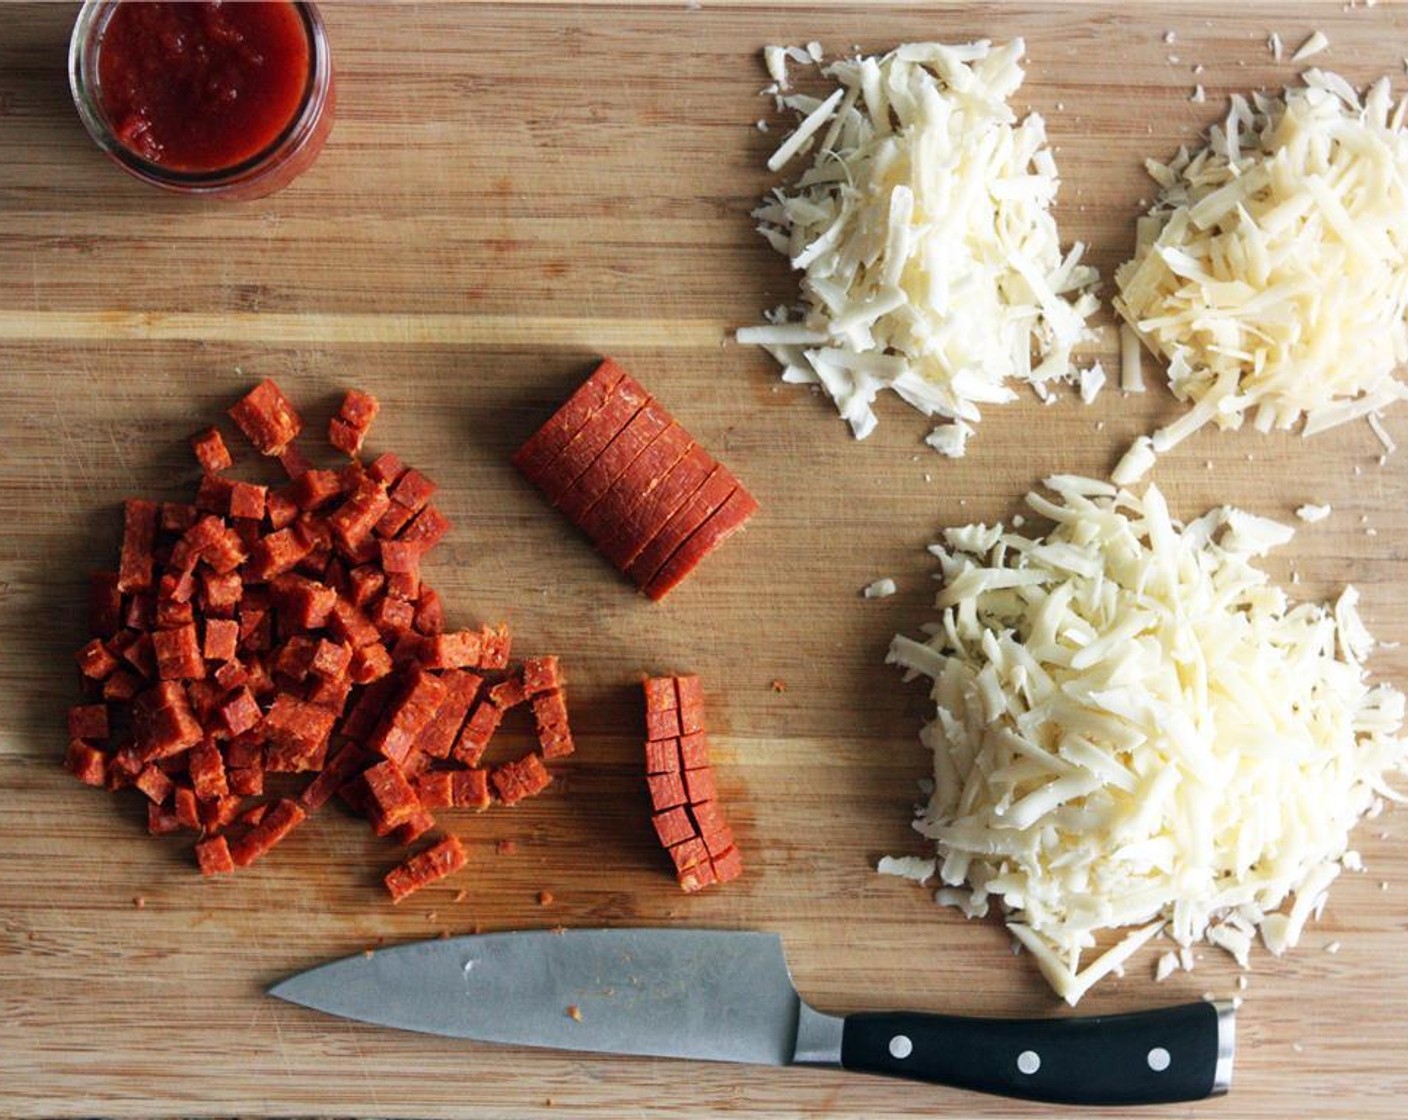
(618, 455)
(636, 484)
(639, 527)
(728, 519)
(709, 497)
(613, 513)
(627, 399)
(534, 457)
(688, 818)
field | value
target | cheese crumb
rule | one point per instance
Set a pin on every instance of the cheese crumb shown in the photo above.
(775, 59)
(1091, 380)
(1376, 425)
(1131, 361)
(1266, 274)
(1276, 47)
(1313, 45)
(1135, 463)
(923, 229)
(1105, 699)
(907, 867)
(1311, 514)
(880, 589)
(1199, 95)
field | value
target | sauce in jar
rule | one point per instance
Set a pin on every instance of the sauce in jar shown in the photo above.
(199, 87)
(232, 99)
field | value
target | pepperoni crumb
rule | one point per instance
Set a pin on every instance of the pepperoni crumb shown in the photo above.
(545, 898)
(574, 1013)
(140, 902)
(779, 685)
(506, 847)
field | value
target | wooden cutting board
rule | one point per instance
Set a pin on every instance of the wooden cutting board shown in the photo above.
(509, 192)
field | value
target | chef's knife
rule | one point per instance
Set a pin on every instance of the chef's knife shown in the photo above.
(725, 996)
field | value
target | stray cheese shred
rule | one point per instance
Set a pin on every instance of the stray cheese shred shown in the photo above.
(922, 227)
(1272, 271)
(1136, 731)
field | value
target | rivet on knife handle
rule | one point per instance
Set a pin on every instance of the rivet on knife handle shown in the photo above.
(1148, 1057)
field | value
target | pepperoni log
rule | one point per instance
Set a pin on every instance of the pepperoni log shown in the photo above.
(634, 481)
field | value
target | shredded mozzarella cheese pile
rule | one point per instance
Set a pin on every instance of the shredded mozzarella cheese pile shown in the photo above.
(930, 260)
(1136, 729)
(1272, 272)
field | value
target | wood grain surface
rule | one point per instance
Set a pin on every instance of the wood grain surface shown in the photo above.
(509, 191)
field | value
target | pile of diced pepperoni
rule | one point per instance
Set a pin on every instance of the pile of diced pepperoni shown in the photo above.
(688, 818)
(653, 501)
(267, 631)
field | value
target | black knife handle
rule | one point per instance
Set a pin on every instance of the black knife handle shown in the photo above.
(1149, 1057)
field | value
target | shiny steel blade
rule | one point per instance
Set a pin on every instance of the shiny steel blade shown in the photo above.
(712, 995)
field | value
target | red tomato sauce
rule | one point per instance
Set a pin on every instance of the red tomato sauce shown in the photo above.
(202, 87)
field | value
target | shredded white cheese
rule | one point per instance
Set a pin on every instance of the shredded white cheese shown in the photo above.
(1137, 731)
(880, 589)
(1312, 513)
(922, 227)
(1272, 273)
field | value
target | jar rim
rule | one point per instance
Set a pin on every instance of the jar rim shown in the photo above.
(84, 46)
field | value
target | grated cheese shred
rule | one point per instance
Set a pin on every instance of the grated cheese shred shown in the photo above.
(1136, 732)
(922, 228)
(1271, 274)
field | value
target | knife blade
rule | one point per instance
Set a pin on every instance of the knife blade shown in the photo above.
(728, 996)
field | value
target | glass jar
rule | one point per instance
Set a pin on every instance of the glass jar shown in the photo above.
(296, 138)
